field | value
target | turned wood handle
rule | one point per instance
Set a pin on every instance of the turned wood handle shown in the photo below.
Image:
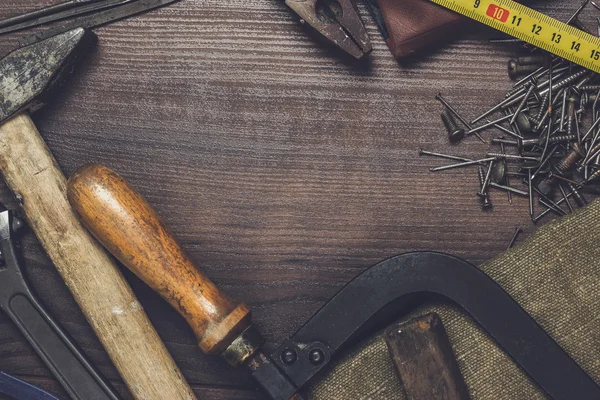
(129, 228)
(91, 275)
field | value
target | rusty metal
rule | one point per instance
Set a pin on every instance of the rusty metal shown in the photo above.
(78, 8)
(30, 73)
(336, 20)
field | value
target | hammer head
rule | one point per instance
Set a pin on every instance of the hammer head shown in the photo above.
(28, 74)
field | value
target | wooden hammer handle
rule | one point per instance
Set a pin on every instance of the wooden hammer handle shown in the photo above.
(91, 275)
(131, 230)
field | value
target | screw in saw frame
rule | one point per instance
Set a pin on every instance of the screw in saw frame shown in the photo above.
(316, 356)
(289, 356)
(455, 133)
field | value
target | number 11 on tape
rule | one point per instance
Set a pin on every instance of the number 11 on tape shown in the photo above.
(532, 27)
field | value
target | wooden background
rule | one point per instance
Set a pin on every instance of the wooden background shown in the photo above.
(283, 169)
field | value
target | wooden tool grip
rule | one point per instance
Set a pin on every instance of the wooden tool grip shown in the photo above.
(129, 228)
(91, 275)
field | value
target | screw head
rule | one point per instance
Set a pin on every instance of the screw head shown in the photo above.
(486, 204)
(289, 356)
(499, 173)
(545, 187)
(316, 356)
(524, 123)
(456, 135)
(513, 68)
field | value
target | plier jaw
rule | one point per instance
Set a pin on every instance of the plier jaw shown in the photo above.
(338, 21)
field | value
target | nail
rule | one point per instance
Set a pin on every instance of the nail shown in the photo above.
(463, 164)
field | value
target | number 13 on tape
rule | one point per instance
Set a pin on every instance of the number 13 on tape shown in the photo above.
(532, 27)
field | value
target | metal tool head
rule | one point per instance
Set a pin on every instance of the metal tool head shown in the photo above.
(338, 21)
(28, 74)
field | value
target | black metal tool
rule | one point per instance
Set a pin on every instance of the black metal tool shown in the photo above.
(21, 390)
(83, 8)
(42, 12)
(338, 21)
(100, 18)
(63, 358)
(391, 286)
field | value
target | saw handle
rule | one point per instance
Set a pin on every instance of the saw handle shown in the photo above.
(122, 220)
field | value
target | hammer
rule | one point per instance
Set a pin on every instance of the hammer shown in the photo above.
(27, 77)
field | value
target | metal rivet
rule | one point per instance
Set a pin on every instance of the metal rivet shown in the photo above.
(289, 356)
(316, 356)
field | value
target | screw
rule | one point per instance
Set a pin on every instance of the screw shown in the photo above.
(524, 123)
(506, 178)
(539, 58)
(578, 196)
(316, 356)
(289, 356)
(593, 176)
(515, 69)
(567, 81)
(590, 88)
(511, 156)
(486, 204)
(439, 98)
(562, 138)
(455, 134)
(571, 108)
(568, 161)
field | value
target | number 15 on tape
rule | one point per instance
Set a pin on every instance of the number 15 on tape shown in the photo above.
(532, 27)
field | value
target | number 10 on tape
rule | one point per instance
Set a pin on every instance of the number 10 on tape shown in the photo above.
(532, 27)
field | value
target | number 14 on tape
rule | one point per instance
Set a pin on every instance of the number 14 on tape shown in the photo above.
(532, 27)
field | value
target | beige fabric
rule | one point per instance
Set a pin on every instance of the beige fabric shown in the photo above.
(554, 275)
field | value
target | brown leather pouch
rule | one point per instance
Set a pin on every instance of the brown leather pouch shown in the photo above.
(415, 24)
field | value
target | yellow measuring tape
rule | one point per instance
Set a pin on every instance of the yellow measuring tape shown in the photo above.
(532, 27)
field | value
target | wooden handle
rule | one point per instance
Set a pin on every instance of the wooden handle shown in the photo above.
(93, 278)
(130, 229)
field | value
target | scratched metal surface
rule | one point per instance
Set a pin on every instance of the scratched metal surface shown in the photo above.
(283, 169)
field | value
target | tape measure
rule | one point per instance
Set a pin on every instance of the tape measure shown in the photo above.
(532, 27)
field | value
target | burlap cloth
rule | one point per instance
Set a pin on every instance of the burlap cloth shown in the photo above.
(554, 275)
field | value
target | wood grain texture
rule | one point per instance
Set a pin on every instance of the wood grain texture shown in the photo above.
(424, 360)
(123, 221)
(282, 169)
(90, 273)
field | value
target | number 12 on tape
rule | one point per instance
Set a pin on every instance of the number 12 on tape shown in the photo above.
(532, 27)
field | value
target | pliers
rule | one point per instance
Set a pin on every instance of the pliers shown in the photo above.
(338, 21)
